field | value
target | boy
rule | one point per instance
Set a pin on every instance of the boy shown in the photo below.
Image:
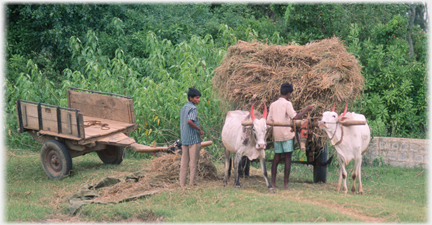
(190, 137)
(282, 111)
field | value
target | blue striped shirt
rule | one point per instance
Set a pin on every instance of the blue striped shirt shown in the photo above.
(189, 135)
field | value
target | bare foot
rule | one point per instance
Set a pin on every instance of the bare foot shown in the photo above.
(288, 188)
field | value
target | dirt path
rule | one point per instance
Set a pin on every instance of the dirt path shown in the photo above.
(341, 209)
(257, 178)
(334, 207)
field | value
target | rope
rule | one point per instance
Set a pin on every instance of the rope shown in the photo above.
(103, 126)
(334, 134)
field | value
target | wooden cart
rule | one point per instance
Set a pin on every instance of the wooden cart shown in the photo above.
(93, 122)
(316, 152)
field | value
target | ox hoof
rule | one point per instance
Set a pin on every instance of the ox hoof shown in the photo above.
(271, 190)
(237, 187)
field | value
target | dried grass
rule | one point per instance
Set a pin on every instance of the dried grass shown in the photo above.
(321, 72)
(162, 173)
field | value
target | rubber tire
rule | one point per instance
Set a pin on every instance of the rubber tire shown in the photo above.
(244, 168)
(55, 150)
(320, 172)
(112, 155)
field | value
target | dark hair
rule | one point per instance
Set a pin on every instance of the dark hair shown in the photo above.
(286, 88)
(193, 93)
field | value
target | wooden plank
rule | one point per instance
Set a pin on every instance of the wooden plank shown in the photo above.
(55, 134)
(132, 113)
(82, 131)
(100, 106)
(117, 139)
(147, 149)
(31, 117)
(68, 99)
(69, 122)
(49, 119)
(49, 125)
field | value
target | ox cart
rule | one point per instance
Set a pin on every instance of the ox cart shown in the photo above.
(93, 122)
(316, 151)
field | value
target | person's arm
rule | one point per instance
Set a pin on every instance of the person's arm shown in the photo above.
(193, 125)
(302, 113)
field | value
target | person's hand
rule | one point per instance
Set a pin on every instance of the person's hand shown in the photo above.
(310, 107)
(201, 133)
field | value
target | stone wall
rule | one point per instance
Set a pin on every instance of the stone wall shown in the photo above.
(401, 152)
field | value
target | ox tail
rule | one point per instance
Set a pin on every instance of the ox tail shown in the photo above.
(319, 163)
(229, 168)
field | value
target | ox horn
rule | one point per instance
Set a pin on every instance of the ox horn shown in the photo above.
(251, 113)
(265, 111)
(345, 110)
(334, 106)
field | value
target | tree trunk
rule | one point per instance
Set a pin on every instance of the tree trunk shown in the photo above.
(412, 14)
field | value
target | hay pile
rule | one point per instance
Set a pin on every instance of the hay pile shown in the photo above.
(163, 172)
(321, 72)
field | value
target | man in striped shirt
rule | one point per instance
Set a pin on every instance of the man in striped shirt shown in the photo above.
(191, 134)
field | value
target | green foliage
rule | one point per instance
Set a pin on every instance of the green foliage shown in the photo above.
(390, 33)
(45, 28)
(395, 85)
(315, 21)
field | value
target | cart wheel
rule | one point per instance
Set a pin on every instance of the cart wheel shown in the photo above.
(111, 155)
(320, 172)
(244, 167)
(56, 159)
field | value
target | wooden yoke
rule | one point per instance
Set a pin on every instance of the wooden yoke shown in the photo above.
(298, 123)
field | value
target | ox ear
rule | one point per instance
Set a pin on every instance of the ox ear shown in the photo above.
(341, 118)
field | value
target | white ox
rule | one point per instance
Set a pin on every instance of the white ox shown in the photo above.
(243, 141)
(350, 143)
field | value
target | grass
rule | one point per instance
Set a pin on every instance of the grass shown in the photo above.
(391, 195)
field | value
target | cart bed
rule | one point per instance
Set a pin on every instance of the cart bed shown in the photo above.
(97, 130)
(112, 114)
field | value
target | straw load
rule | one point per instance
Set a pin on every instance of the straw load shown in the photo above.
(321, 72)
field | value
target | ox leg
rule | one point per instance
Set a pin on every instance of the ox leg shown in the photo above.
(236, 165)
(357, 168)
(353, 175)
(341, 163)
(227, 167)
(264, 170)
(342, 175)
(344, 179)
